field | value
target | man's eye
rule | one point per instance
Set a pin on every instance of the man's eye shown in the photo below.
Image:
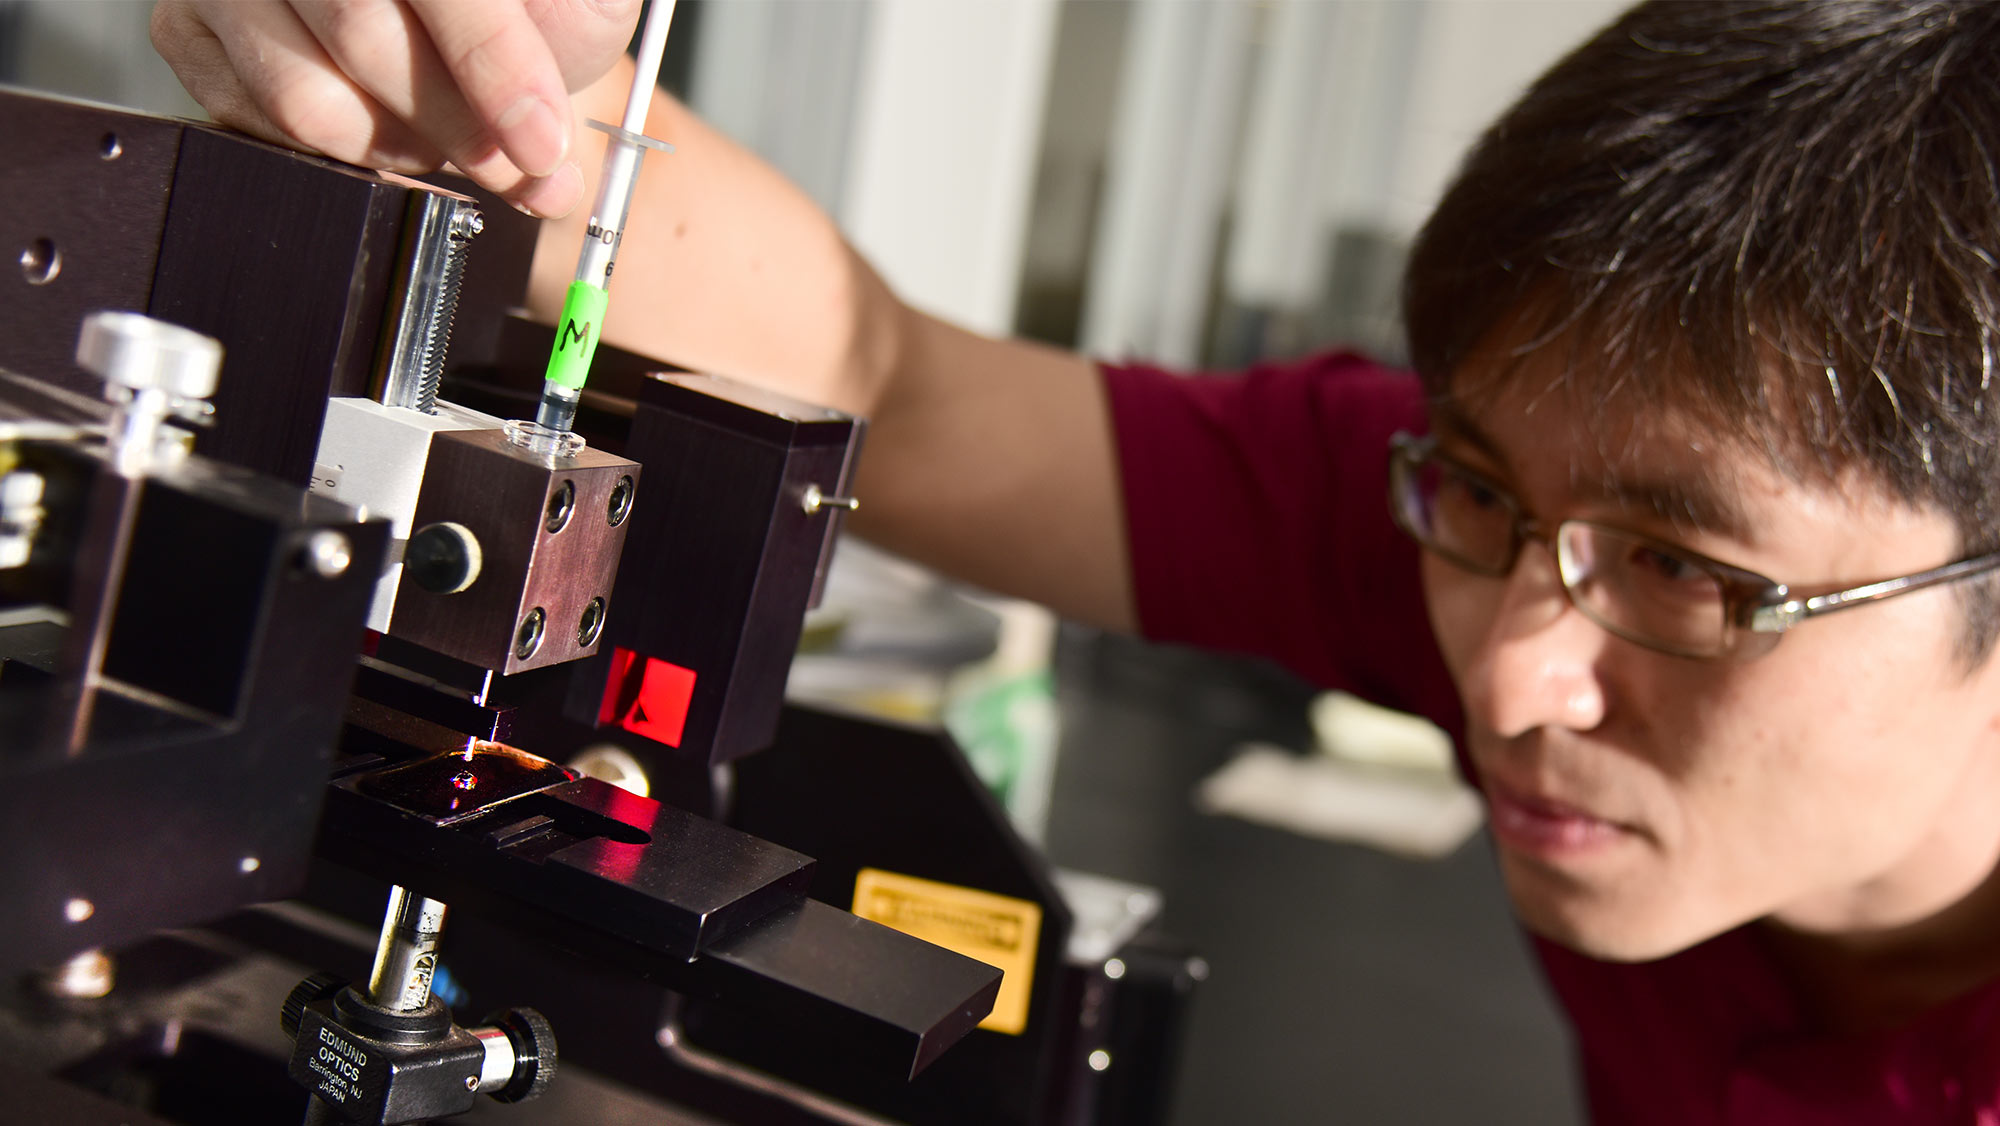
(1465, 492)
(1667, 569)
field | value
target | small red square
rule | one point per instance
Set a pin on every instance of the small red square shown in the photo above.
(647, 696)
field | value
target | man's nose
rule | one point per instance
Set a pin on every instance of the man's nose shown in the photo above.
(1537, 664)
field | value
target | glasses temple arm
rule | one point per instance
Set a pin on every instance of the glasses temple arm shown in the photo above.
(1789, 612)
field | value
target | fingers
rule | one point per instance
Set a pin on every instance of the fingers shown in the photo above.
(586, 36)
(297, 91)
(385, 49)
(203, 67)
(364, 81)
(543, 197)
(508, 76)
(379, 47)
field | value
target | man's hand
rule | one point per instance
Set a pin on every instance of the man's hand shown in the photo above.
(405, 85)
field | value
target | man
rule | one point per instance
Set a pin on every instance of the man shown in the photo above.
(1697, 497)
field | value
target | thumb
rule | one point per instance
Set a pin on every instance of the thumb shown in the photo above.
(586, 36)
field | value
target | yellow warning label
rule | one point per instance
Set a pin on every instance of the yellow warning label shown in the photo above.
(995, 929)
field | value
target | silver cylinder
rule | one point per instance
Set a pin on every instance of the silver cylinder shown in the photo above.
(496, 1068)
(406, 954)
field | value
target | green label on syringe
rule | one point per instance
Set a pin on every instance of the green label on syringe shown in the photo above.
(576, 334)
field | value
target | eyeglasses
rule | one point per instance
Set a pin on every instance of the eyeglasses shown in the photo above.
(1646, 591)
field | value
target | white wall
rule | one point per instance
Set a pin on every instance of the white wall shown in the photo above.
(945, 137)
(1473, 58)
(780, 76)
(1175, 140)
(99, 50)
(1293, 119)
(1083, 88)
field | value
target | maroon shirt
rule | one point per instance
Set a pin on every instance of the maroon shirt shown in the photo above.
(1257, 511)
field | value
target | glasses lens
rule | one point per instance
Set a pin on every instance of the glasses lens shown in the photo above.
(1455, 514)
(1643, 590)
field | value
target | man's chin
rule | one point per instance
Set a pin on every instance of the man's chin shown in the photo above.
(1610, 929)
(1605, 944)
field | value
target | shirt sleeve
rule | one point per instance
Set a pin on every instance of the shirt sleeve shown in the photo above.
(1256, 510)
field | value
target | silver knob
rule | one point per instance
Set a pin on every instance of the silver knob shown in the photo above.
(138, 353)
(152, 370)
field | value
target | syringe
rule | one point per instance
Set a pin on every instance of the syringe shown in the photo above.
(582, 320)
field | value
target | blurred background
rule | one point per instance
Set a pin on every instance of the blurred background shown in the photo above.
(1201, 183)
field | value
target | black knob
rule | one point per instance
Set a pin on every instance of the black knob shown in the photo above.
(534, 1053)
(318, 987)
(443, 558)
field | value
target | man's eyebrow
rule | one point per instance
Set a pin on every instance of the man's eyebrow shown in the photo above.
(1685, 503)
(1450, 421)
(1690, 503)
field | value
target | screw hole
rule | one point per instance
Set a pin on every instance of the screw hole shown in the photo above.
(110, 147)
(621, 501)
(591, 625)
(529, 638)
(561, 503)
(41, 262)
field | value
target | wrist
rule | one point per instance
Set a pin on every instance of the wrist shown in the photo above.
(879, 341)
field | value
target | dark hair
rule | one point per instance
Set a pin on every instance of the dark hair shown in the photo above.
(1782, 219)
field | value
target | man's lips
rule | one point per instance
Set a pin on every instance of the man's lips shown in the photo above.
(1540, 825)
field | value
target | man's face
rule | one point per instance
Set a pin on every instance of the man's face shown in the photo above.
(1643, 802)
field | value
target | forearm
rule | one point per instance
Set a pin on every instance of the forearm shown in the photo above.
(991, 460)
(994, 461)
(726, 267)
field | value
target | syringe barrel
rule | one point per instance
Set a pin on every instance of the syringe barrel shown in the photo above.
(622, 159)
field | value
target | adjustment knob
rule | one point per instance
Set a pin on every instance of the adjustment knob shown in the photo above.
(443, 558)
(137, 352)
(318, 987)
(534, 1045)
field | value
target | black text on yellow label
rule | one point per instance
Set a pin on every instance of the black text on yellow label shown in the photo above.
(1001, 931)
